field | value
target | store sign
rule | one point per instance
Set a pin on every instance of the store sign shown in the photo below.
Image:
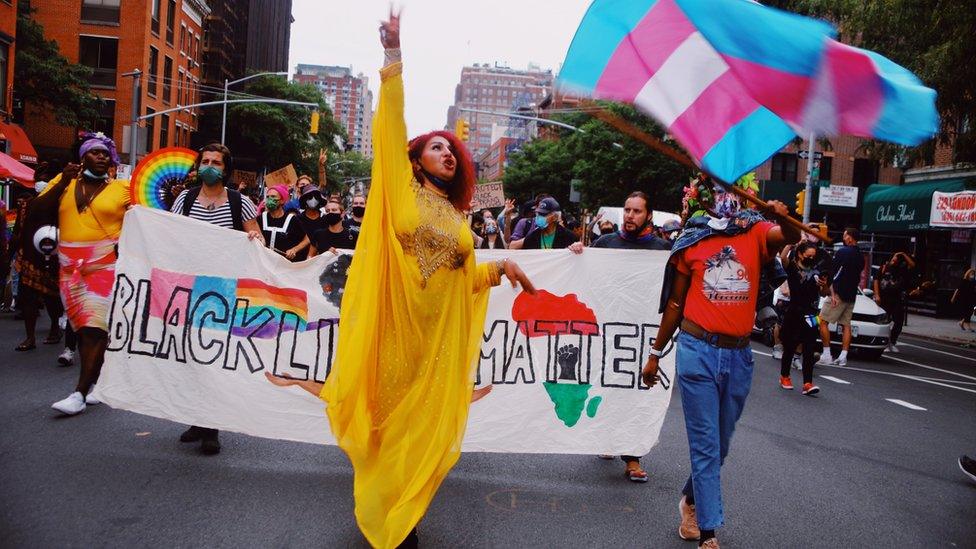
(956, 210)
(838, 195)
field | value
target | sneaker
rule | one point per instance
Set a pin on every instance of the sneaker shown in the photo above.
(193, 434)
(710, 543)
(67, 357)
(840, 361)
(74, 404)
(968, 466)
(797, 363)
(688, 530)
(785, 383)
(777, 351)
(825, 360)
(90, 397)
(810, 389)
(892, 348)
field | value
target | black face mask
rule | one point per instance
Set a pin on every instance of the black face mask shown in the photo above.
(606, 231)
(436, 181)
(358, 211)
(333, 218)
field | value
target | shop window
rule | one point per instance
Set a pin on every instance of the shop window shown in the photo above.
(102, 56)
(100, 11)
(784, 167)
(167, 79)
(865, 172)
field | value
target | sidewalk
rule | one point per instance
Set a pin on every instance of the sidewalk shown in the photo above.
(939, 329)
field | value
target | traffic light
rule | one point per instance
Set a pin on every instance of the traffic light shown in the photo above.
(801, 198)
(314, 129)
(462, 129)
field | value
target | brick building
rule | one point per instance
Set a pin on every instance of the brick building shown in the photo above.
(348, 96)
(8, 39)
(492, 163)
(162, 38)
(497, 89)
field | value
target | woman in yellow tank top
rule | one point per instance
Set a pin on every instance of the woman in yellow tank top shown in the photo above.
(413, 316)
(92, 205)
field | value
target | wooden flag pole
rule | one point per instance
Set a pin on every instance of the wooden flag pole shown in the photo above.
(627, 128)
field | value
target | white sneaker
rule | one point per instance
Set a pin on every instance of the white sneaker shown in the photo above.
(67, 357)
(777, 352)
(797, 363)
(90, 397)
(840, 361)
(825, 360)
(892, 348)
(74, 404)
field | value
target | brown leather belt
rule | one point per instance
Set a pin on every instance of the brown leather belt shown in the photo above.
(716, 340)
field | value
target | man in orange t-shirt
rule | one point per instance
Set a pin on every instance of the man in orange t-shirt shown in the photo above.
(713, 299)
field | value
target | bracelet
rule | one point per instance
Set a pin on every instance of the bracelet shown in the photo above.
(657, 353)
(391, 55)
(501, 266)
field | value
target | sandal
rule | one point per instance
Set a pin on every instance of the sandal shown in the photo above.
(25, 347)
(53, 339)
(636, 475)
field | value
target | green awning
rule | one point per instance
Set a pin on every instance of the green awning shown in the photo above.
(901, 208)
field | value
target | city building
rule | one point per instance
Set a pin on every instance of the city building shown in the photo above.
(13, 140)
(496, 88)
(162, 38)
(492, 164)
(348, 96)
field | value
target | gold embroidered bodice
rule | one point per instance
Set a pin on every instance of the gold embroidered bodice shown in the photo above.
(435, 242)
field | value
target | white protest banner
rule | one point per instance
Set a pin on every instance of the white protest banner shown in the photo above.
(194, 328)
(957, 210)
(488, 195)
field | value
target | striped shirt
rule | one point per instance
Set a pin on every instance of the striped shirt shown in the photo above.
(219, 216)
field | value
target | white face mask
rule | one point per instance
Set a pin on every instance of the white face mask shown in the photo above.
(313, 203)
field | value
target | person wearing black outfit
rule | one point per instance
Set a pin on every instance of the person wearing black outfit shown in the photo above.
(548, 234)
(637, 232)
(354, 221)
(281, 230)
(310, 219)
(491, 237)
(806, 284)
(335, 236)
(889, 292)
(965, 298)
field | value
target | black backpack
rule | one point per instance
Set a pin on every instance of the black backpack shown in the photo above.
(236, 206)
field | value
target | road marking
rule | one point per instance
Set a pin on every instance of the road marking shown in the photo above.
(903, 376)
(835, 379)
(908, 405)
(950, 372)
(937, 351)
(761, 353)
(928, 341)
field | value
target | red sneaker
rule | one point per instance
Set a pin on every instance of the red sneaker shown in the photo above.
(810, 389)
(785, 383)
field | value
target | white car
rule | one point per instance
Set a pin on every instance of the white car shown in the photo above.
(870, 327)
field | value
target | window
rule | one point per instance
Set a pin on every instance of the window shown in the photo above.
(4, 63)
(865, 172)
(105, 122)
(167, 78)
(153, 71)
(150, 128)
(100, 11)
(163, 130)
(784, 167)
(170, 21)
(826, 168)
(154, 13)
(182, 38)
(102, 56)
(179, 90)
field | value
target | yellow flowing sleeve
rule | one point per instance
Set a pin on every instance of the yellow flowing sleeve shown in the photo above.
(487, 276)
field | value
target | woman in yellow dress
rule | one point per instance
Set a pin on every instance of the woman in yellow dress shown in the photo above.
(413, 316)
(90, 205)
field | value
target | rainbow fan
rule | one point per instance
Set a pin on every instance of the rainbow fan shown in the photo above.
(157, 172)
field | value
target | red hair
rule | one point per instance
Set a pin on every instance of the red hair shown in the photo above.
(461, 190)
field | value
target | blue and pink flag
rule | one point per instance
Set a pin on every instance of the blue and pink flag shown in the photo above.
(734, 81)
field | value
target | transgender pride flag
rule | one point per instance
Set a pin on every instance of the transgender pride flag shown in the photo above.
(734, 81)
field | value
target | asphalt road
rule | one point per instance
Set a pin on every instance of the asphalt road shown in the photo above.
(849, 467)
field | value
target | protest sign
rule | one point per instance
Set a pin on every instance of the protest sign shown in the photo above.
(285, 176)
(245, 179)
(488, 195)
(193, 329)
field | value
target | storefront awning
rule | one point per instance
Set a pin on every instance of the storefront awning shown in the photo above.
(19, 145)
(11, 169)
(902, 208)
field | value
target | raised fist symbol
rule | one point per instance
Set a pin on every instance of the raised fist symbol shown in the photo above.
(567, 357)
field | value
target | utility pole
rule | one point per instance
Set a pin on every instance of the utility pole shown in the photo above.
(136, 76)
(811, 163)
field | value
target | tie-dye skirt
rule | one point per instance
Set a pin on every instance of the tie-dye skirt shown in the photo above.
(87, 275)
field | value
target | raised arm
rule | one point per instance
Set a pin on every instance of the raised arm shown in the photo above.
(389, 130)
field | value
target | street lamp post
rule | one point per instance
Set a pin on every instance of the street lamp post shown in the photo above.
(227, 83)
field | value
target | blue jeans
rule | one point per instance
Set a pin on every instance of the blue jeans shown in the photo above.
(714, 385)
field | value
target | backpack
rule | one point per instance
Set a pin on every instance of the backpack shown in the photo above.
(233, 197)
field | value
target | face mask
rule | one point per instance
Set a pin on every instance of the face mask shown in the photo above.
(491, 229)
(88, 173)
(541, 221)
(272, 203)
(806, 263)
(312, 203)
(358, 211)
(333, 218)
(210, 175)
(606, 230)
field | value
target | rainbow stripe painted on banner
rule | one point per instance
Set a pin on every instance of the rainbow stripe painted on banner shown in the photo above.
(156, 170)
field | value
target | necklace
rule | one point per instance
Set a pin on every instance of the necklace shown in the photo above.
(87, 199)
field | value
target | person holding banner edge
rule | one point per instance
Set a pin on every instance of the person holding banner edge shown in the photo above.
(710, 291)
(403, 377)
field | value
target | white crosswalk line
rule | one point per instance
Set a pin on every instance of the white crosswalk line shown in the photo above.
(835, 380)
(908, 405)
(936, 351)
(950, 372)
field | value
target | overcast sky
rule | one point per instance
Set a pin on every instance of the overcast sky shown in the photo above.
(438, 37)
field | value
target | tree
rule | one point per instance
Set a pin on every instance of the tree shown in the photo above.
(278, 135)
(47, 79)
(608, 164)
(933, 39)
(347, 169)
